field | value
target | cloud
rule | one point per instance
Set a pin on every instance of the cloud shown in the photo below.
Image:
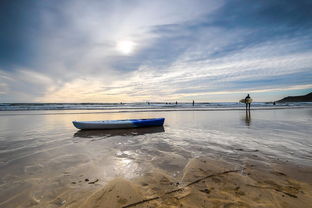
(23, 83)
(183, 49)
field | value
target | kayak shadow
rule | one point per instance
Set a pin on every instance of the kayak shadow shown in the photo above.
(118, 132)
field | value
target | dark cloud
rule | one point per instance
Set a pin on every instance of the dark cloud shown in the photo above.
(258, 13)
(260, 21)
(297, 78)
(19, 26)
(292, 79)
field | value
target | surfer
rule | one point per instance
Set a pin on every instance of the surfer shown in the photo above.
(247, 101)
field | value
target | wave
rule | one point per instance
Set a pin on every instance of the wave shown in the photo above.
(134, 106)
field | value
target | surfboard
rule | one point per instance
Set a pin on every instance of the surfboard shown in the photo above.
(248, 100)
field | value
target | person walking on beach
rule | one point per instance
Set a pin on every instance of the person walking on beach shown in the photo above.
(193, 102)
(247, 101)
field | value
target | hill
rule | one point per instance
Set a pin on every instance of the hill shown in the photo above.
(302, 98)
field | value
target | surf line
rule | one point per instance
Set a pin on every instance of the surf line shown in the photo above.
(182, 188)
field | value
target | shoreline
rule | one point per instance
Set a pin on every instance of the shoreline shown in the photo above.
(144, 110)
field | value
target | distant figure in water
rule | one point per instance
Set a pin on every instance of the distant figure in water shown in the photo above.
(274, 103)
(247, 101)
(193, 103)
(176, 102)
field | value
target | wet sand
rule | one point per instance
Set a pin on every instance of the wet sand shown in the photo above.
(198, 159)
(209, 183)
(204, 182)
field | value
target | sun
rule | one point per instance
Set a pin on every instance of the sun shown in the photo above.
(125, 46)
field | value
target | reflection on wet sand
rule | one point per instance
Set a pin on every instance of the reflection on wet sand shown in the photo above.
(118, 132)
(247, 118)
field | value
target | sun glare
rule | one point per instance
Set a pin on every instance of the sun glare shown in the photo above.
(125, 46)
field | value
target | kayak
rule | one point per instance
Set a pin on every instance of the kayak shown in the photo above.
(248, 100)
(119, 124)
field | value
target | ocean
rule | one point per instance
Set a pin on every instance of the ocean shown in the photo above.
(138, 106)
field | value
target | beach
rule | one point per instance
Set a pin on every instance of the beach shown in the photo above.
(197, 104)
(200, 158)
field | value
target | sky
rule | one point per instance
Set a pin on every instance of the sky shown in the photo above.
(137, 50)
